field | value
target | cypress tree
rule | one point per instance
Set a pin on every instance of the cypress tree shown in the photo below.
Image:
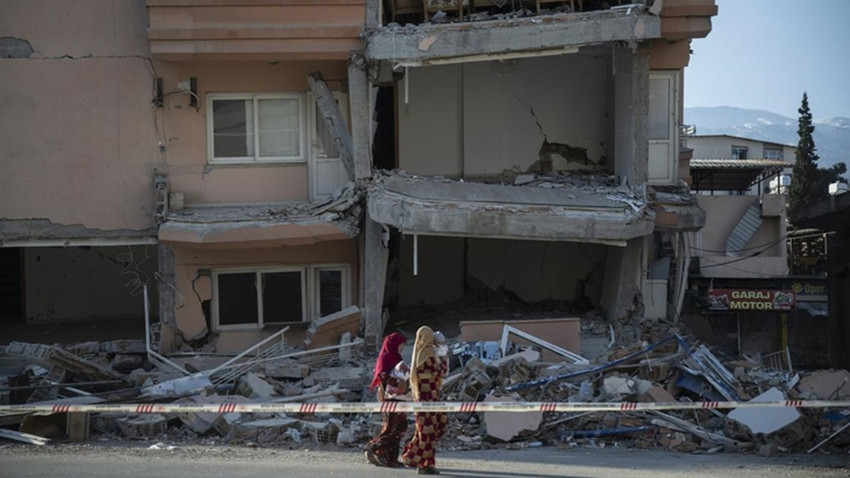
(804, 190)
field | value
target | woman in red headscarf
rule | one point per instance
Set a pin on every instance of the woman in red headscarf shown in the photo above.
(383, 449)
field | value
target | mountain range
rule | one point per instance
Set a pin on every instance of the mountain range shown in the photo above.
(831, 136)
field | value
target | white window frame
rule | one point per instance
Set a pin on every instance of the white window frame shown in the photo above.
(773, 153)
(737, 150)
(256, 158)
(664, 170)
(316, 290)
(310, 297)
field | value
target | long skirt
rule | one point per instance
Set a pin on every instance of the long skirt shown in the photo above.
(430, 427)
(383, 449)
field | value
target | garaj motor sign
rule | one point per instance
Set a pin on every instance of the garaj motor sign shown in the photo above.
(751, 299)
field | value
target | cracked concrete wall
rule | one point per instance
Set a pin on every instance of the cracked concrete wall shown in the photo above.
(183, 130)
(195, 289)
(534, 270)
(75, 283)
(483, 118)
(78, 128)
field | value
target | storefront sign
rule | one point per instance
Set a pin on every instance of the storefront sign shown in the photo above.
(751, 299)
(810, 291)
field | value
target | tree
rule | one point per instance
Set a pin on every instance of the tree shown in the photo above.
(827, 176)
(805, 189)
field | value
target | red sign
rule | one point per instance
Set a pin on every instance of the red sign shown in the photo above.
(751, 299)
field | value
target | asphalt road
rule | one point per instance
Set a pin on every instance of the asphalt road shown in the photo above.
(138, 460)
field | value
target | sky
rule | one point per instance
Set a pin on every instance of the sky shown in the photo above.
(763, 54)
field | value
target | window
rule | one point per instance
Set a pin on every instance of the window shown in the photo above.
(254, 298)
(255, 128)
(739, 152)
(772, 153)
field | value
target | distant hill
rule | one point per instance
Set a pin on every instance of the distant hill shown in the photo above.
(832, 136)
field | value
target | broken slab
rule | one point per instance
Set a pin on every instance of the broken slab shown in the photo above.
(50, 357)
(507, 425)
(328, 330)
(766, 420)
(495, 211)
(491, 39)
(827, 385)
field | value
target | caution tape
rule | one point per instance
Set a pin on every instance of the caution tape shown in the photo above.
(408, 407)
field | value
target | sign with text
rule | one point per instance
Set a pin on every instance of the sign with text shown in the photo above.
(751, 299)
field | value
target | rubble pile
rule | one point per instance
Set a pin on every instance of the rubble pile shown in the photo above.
(645, 361)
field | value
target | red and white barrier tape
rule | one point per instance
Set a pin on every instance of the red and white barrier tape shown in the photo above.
(407, 407)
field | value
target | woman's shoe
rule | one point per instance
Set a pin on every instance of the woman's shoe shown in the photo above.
(428, 471)
(371, 457)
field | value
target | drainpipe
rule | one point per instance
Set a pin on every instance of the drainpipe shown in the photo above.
(683, 275)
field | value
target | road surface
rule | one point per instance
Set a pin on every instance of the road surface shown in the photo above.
(137, 459)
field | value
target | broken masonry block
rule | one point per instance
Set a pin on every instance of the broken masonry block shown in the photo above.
(127, 346)
(124, 362)
(252, 386)
(272, 427)
(289, 369)
(328, 330)
(143, 426)
(657, 395)
(346, 377)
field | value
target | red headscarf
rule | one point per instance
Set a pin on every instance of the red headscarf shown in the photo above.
(389, 356)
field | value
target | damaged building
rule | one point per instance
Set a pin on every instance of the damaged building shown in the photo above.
(261, 166)
(268, 186)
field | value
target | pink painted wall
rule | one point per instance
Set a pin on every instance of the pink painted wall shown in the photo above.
(78, 136)
(183, 130)
(194, 288)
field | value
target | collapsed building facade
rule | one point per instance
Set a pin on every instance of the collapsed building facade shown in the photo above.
(269, 164)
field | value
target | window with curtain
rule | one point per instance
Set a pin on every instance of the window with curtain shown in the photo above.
(256, 128)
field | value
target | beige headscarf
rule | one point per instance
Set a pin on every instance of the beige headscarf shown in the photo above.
(423, 348)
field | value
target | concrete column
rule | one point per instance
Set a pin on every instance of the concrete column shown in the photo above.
(373, 14)
(623, 274)
(166, 286)
(640, 110)
(631, 113)
(373, 277)
(361, 117)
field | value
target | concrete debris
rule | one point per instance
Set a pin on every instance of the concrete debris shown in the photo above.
(639, 360)
(143, 427)
(506, 425)
(765, 420)
(329, 330)
(826, 385)
(253, 386)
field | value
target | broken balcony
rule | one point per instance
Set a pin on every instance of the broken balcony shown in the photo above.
(504, 38)
(259, 225)
(552, 208)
